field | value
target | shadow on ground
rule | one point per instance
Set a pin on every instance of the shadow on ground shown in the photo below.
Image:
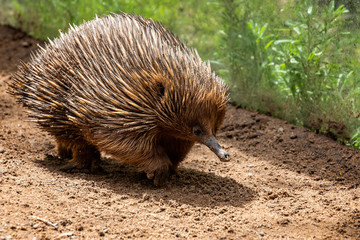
(192, 187)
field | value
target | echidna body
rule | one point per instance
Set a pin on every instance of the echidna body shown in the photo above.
(124, 85)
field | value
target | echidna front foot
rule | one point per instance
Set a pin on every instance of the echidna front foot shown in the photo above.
(160, 169)
(95, 168)
(84, 156)
(160, 175)
(68, 167)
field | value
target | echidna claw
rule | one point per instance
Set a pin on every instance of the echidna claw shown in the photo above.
(150, 175)
(161, 176)
(68, 167)
(94, 168)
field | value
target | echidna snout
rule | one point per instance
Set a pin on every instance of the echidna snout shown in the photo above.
(214, 146)
(210, 141)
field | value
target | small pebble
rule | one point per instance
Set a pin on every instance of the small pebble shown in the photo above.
(63, 223)
(145, 197)
(261, 233)
(25, 44)
(293, 136)
(2, 150)
(34, 225)
(3, 237)
(162, 209)
(67, 234)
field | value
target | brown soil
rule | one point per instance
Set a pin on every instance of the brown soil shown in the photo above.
(283, 181)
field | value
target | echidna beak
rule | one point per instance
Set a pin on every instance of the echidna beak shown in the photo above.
(214, 146)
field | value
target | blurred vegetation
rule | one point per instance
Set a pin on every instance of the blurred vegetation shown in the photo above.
(43, 19)
(301, 66)
(293, 59)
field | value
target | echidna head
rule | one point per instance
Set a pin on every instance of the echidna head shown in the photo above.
(204, 131)
(193, 100)
(202, 124)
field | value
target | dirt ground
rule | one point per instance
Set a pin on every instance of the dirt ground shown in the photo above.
(283, 182)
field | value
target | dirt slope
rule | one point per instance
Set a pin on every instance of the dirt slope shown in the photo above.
(283, 182)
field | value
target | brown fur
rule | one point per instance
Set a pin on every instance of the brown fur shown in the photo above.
(124, 85)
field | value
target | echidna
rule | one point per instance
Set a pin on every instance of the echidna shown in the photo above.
(126, 86)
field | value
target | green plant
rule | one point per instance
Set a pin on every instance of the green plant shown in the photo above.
(308, 66)
(298, 69)
(245, 47)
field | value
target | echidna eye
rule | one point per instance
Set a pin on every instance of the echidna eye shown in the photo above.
(197, 131)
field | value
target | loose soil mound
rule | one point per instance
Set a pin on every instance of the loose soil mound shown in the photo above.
(283, 182)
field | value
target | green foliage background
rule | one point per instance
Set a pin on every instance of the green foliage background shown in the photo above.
(295, 59)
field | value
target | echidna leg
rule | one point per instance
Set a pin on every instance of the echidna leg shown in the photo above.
(84, 155)
(176, 149)
(63, 149)
(159, 168)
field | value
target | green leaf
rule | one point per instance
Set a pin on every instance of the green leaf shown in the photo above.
(269, 44)
(309, 11)
(17, 7)
(311, 56)
(291, 23)
(293, 60)
(297, 30)
(285, 41)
